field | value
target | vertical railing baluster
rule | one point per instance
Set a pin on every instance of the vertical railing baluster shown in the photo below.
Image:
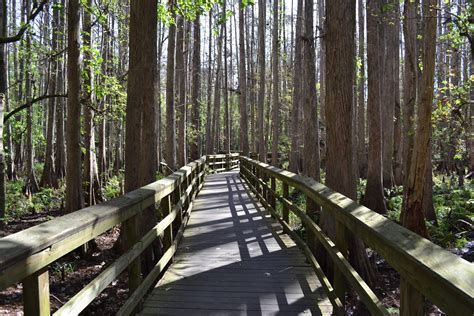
(36, 293)
(340, 283)
(286, 195)
(168, 233)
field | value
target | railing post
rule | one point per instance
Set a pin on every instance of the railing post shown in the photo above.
(36, 293)
(286, 195)
(132, 237)
(168, 233)
(271, 194)
(412, 302)
(340, 283)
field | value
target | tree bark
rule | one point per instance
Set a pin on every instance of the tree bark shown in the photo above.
(374, 198)
(294, 163)
(180, 93)
(141, 142)
(276, 83)
(91, 175)
(244, 137)
(170, 153)
(361, 130)
(412, 215)
(195, 119)
(340, 172)
(3, 94)
(74, 196)
(261, 86)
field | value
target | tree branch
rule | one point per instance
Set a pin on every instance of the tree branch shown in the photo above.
(33, 101)
(22, 30)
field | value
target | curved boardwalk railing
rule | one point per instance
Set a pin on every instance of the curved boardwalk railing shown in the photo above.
(441, 276)
(25, 256)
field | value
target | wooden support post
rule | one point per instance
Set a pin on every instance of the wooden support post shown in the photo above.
(36, 293)
(286, 195)
(412, 302)
(168, 233)
(132, 236)
(340, 283)
(271, 194)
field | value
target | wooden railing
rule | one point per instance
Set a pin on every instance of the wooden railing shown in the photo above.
(25, 256)
(442, 277)
(222, 162)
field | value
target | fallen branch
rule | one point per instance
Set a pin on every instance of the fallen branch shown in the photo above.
(30, 103)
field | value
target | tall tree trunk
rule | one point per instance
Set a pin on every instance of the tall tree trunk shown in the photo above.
(374, 198)
(91, 176)
(209, 91)
(74, 196)
(31, 185)
(215, 129)
(141, 142)
(340, 173)
(180, 92)
(48, 178)
(410, 83)
(294, 163)
(261, 73)
(60, 154)
(3, 100)
(276, 83)
(390, 48)
(397, 138)
(361, 143)
(170, 153)
(196, 75)
(226, 90)
(244, 137)
(412, 215)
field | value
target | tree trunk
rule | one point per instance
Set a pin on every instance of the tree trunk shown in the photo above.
(340, 172)
(196, 75)
(261, 74)
(60, 154)
(374, 198)
(91, 176)
(215, 126)
(209, 91)
(74, 196)
(276, 84)
(180, 93)
(244, 137)
(141, 142)
(361, 143)
(170, 153)
(390, 47)
(3, 100)
(31, 183)
(412, 215)
(48, 178)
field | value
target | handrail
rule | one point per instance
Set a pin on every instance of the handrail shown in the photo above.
(446, 279)
(25, 256)
(222, 162)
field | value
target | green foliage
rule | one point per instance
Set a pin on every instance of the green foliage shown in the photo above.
(19, 205)
(114, 186)
(455, 212)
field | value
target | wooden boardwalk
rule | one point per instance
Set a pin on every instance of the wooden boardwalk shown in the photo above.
(235, 260)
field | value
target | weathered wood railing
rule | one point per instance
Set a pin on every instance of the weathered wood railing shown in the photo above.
(222, 162)
(439, 275)
(25, 256)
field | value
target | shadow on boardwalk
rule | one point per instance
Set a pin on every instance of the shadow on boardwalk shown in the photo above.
(234, 260)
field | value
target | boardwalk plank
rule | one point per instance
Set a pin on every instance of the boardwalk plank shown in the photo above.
(235, 260)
